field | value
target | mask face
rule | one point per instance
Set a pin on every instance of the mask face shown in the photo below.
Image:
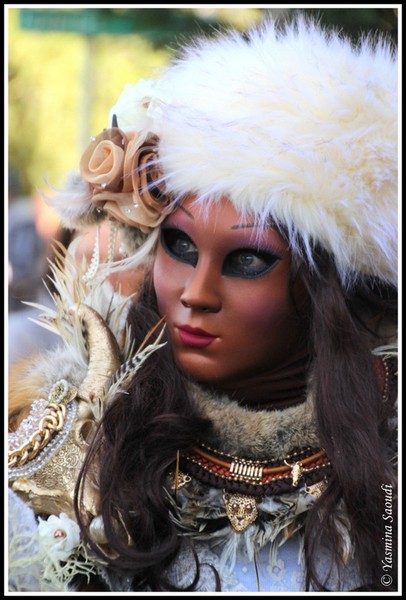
(223, 285)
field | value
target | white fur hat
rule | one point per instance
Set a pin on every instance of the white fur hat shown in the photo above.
(296, 124)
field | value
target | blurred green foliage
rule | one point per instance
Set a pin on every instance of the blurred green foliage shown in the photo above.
(61, 88)
(62, 84)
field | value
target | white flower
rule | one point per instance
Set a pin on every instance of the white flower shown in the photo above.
(136, 106)
(59, 536)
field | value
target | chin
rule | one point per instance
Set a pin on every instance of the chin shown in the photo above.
(200, 370)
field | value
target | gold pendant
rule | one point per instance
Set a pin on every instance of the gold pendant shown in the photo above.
(241, 510)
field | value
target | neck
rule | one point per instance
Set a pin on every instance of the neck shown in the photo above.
(276, 389)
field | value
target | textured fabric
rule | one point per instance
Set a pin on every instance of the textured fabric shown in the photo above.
(284, 574)
(25, 562)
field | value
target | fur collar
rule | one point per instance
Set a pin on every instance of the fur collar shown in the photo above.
(256, 435)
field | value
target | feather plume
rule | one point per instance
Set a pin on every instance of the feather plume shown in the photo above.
(72, 289)
(128, 369)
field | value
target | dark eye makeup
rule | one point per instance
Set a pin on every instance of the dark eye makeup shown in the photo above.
(249, 263)
(179, 245)
(246, 263)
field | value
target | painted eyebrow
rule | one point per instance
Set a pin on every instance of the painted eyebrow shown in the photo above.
(237, 226)
(243, 226)
(189, 214)
(270, 225)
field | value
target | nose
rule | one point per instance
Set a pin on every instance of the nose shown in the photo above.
(202, 290)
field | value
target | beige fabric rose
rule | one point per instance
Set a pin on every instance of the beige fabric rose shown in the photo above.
(102, 161)
(125, 178)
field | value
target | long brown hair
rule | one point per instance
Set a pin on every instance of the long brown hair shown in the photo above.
(143, 430)
(351, 417)
(136, 447)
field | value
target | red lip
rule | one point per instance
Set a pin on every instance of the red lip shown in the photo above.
(195, 337)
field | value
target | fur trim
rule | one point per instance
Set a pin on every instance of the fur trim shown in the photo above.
(24, 384)
(256, 435)
(293, 124)
(298, 125)
(73, 203)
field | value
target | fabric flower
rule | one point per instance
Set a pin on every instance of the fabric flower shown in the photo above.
(124, 176)
(102, 162)
(135, 107)
(59, 536)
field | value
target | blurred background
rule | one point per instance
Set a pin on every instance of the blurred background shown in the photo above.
(66, 68)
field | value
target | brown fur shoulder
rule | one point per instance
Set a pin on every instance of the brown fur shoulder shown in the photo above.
(23, 384)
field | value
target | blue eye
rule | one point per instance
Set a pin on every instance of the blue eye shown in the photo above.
(179, 246)
(248, 263)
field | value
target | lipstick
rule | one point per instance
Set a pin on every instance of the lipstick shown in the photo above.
(195, 337)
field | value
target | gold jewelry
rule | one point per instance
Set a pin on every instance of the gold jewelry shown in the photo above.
(53, 421)
(241, 510)
(251, 475)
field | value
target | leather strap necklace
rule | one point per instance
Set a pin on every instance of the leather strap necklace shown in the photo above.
(245, 481)
(255, 477)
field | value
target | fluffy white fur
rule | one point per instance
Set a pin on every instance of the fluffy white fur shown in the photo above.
(74, 203)
(298, 125)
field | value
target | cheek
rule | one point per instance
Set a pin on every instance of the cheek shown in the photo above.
(167, 279)
(160, 285)
(269, 328)
(262, 312)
